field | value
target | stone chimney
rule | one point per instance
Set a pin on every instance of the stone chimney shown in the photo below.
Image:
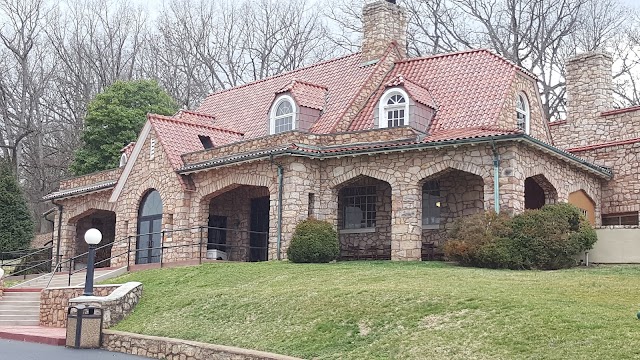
(589, 88)
(383, 22)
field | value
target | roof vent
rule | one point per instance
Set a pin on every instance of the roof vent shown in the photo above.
(206, 141)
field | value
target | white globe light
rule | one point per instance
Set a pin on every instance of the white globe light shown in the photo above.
(93, 236)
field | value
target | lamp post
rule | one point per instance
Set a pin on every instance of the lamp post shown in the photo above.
(93, 238)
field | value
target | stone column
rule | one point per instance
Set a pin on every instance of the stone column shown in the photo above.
(406, 222)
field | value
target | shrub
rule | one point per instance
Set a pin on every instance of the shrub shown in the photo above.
(549, 238)
(472, 233)
(314, 241)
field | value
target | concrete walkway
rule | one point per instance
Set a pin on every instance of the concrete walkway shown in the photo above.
(17, 350)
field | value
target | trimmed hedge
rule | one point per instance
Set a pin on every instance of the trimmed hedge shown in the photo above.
(549, 238)
(314, 241)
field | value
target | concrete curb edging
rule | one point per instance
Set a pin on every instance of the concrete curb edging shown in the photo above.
(167, 348)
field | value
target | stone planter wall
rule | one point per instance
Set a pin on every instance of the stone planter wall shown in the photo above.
(54, 303)
(157, 347)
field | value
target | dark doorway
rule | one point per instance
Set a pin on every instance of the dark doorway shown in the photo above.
(149, 229)
(217, 238)
(259, 239)
(533, 194)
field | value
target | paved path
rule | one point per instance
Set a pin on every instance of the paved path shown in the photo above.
(17, 350)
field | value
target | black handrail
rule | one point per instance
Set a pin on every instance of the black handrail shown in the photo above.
(20, 261)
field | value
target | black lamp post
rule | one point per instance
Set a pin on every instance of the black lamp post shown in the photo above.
(93, 238)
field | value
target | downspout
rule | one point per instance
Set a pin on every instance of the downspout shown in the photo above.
(53, 226)
(60, 208)
(496, 178)
(279, 224)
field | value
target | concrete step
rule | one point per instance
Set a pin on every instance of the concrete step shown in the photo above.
(15, 296)
(24, 322)
(25, 311)
(17, 307)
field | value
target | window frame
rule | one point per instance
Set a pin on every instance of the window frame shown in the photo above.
(619, 217)
(384, 108)
(526, 112)
(424, 201)
(273, 117)
(368, 198)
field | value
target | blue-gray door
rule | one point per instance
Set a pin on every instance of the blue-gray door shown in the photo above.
(149, 237)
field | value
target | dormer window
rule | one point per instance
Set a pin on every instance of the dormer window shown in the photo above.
(283, 115)
(523, 114)
(394, 109)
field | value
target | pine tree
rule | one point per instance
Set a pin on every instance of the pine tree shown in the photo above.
(16, 224)
(114, 119)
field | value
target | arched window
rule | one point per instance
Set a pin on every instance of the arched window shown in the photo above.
(394, 109)
(149, 229)
(522, 113)
(283, 115)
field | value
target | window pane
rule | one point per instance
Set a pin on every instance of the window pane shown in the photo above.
(431, 203)
(284, 108)
(359, 210)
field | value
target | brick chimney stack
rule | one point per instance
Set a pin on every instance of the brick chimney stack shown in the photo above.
(589, 88)
(383, 22)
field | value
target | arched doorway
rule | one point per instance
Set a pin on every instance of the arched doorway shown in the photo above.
(149, 229)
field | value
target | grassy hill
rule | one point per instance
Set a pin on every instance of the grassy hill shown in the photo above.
(392, 310)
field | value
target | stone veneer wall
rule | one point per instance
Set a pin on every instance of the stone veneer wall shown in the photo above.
(89, 179)
(375, 244)
(54, 303)
(619, 194)
(156, 347)
(116, 305)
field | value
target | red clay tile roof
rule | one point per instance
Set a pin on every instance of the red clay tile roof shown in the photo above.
(246, 108)
(179, 136)
(306, 94)
(469, 88)
(417, 92)
(128, 149)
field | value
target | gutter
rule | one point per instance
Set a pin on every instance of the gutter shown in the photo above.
(269, 154)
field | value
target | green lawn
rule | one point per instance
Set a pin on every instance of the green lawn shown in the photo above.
(393, 310)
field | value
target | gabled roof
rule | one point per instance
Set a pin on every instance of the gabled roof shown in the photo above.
(306, 94)
(180, 134)
(469, 88)
(246, 108)
(417, 92)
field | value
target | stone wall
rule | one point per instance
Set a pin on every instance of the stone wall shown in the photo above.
(156, 347)
(93, 178)
(117, 301)
(39, 240)
(619, 194)
(54, 303)
(116, 305)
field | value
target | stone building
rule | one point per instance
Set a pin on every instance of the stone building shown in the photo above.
(389, 149)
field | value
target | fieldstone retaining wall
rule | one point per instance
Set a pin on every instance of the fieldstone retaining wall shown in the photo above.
(54, 302)
(175, 349)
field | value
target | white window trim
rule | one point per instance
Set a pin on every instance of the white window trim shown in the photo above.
(358, 231)
(123, 159)
(526, 113)
(382, 106)
(274, 108)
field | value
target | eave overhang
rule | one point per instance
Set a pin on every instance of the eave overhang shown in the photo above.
(387, 147)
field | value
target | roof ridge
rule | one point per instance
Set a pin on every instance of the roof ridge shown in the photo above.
(195, 113)
(284, 73)
(469, 51)
(168, 118)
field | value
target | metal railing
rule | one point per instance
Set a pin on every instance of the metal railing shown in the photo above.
(26, 262)
(156, 254)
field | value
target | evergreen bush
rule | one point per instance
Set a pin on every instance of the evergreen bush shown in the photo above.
(314, 241)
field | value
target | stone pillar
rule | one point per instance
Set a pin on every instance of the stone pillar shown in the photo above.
(383, 22)
(406, 222)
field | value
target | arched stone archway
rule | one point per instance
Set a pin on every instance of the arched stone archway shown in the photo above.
(538, 191)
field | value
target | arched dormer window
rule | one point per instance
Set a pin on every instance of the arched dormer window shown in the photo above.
(283, 115)
(393, 109)
(523, 113)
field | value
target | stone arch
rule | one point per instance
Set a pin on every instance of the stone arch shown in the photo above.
(539, 191)
(87, 208)
(359, 172)
(541, 170)
(445, 165)
(205, 193)
(586, 203)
